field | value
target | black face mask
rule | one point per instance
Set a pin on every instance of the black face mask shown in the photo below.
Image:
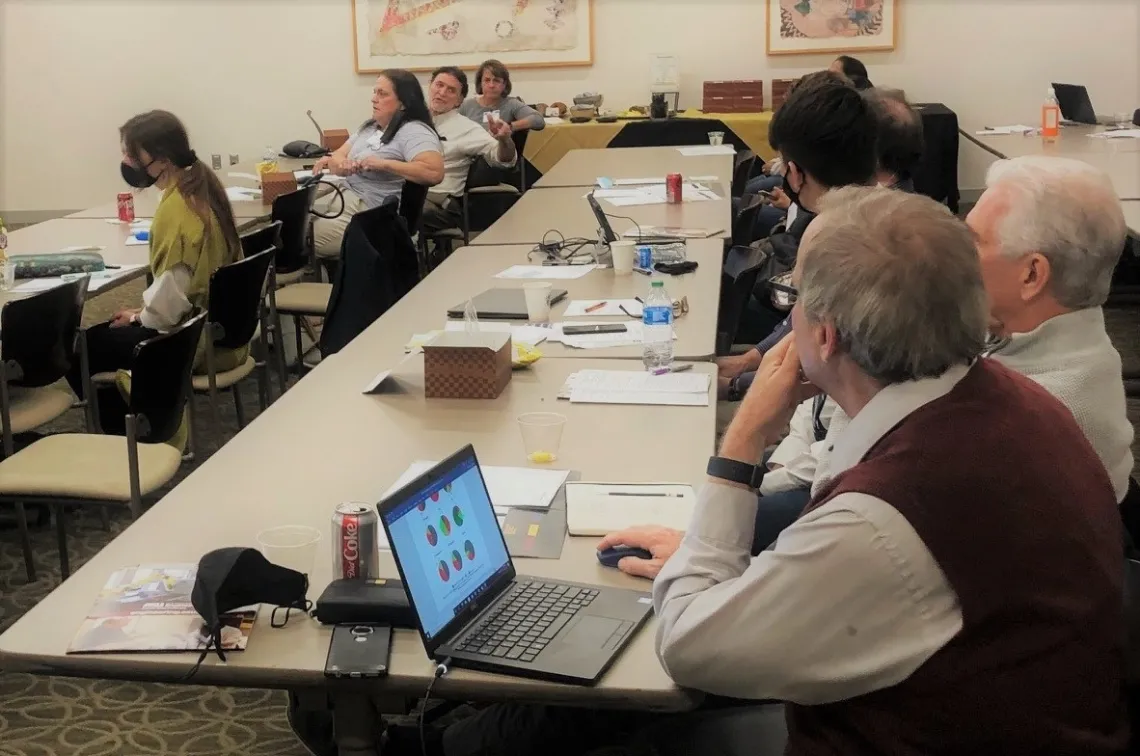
(234, 577)
(793, 195)
(137, 177)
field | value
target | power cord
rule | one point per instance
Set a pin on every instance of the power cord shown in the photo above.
(631, 220)
(562, 251)
(339, 193)
(441, 669)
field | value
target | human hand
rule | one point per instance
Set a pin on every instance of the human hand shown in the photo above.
(779, 199)
(734, 365)
(777, 389)
(661, 542)
(342, 166)
(123, 317)
(321, 164)
(501, 130)
(372, 163)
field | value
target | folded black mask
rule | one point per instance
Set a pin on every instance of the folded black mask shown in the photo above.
(235, 577)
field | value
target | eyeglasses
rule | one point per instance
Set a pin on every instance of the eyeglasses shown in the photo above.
(784, 295)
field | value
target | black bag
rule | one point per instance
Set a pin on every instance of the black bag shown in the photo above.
(378, 266)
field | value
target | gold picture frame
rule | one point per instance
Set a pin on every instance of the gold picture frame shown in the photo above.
(808, 27)
(432, 33)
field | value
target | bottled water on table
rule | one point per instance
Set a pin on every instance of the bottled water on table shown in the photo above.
(657, 328)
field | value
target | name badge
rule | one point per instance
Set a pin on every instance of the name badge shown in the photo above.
(374, 141)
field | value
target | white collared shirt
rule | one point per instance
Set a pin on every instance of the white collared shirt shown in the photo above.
(463, 140)
(848, 601)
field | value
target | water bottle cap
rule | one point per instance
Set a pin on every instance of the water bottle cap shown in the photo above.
(657, 284)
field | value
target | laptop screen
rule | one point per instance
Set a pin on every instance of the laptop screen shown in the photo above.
(446, 538)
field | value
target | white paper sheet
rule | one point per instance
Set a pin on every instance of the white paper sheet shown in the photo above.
(614, 195)
(684, 233)
(1118, 134)
(509, 487)
(142, 224)
(247, 176)
(610, 308)
(707, 149)
(664, 399)
(632, 336)
(997, 130)
(526, 334)
(639, 381)
(134, 241)
(99, 280)
(654, 180)
(242, 194)
(594, 509)
(550, 272)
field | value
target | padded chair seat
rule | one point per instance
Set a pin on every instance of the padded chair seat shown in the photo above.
(85, 466)
(31, 408)
(304, 298)
(224, 379)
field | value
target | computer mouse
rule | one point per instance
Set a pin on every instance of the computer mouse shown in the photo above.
(610, 557)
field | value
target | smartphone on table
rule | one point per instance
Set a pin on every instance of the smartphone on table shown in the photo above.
(359, 651)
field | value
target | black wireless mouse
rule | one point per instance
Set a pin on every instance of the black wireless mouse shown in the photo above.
(611, 557)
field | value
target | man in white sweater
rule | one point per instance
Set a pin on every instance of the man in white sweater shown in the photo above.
(1049, 233)
(463, 141)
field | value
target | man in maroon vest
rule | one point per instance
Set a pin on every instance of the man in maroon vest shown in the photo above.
(955, 587)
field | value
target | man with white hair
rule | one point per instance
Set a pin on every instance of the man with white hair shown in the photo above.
(1049, 233)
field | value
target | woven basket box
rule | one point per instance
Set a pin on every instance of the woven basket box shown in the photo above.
(458, 365)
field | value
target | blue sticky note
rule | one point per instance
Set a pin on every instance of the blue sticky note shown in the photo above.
(605, 183)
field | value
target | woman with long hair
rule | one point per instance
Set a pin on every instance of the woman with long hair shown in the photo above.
(192, 234)
(397, 144)
(493, 97)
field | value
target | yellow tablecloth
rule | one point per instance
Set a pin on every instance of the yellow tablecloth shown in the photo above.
(545, 148)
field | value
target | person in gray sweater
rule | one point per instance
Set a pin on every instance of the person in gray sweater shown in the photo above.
(493, 98)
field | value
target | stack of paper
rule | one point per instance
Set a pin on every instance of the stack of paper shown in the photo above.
(242, 194)
(631, 336)
(707, 149)
(638, 387)
(653, 194)
(1118, 134)
(552, 272)
(595, 509)
(592, 308)
(996, 130)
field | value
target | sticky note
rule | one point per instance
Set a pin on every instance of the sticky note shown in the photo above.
(532, 531)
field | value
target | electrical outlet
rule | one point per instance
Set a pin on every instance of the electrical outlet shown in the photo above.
(216, 161)
(233, 159)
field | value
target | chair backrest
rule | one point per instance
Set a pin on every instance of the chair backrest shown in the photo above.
(412, 198)
(292, 210)
(519, 138)
(38, 344)
(735, 291)
(260, 239)
(160, 379)
(742, 171)
(237, 293)
(744, 223)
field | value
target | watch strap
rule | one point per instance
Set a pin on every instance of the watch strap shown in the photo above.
(735, 471)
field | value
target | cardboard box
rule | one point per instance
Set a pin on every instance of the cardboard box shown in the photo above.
(461, 365)
(273, 185)
(332, 139)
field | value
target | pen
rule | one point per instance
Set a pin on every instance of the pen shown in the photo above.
(639, 300)
(598, 306)
(673, 369)
(645, 493)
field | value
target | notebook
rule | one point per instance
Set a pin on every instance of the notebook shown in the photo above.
(595, 509)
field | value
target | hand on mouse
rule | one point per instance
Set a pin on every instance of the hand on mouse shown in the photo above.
(661, 542)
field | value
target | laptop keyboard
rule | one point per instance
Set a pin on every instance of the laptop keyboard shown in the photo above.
(527, 620)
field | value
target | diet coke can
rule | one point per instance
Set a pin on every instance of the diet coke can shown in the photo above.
(355, 541)
(673, 188)
(126, 207)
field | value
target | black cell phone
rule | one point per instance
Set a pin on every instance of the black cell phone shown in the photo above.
(359, 651)
(571, 330)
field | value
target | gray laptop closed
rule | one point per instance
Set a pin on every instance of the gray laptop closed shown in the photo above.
(501, 304)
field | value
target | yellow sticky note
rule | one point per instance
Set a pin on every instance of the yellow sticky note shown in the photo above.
(509, 530)
(532, 531)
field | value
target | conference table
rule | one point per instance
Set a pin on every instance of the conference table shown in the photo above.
(551, 214)
(584, 167)
(1119, 157)
(1132, 216)
(470, 270)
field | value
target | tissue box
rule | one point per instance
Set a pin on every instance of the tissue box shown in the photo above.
(332, 139)
(273, 185)
(460, 365)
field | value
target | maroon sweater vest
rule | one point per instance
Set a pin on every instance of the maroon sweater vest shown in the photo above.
(1001, 485)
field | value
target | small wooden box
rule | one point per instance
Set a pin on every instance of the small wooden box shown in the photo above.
(780, 89)
(458, 365)
(741, 96)
(332, 139)
(273, 185)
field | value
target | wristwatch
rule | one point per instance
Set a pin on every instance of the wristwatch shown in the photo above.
(736, 472)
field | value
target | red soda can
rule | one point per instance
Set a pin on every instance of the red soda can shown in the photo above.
(355, 542)
(673, 188)
(126, 207)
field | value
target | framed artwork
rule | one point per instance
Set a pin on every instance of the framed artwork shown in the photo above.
(421, 35)
(831, 26)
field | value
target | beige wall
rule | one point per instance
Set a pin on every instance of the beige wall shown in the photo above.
(241, 73)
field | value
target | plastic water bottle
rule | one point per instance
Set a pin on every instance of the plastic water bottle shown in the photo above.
(657, 328)
(1050, 117)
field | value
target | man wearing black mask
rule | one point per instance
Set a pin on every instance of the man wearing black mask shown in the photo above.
(825, 132)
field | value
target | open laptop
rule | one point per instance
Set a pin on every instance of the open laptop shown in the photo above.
(470, 604)
(1073, 99)
(607, 230)
(501, 304)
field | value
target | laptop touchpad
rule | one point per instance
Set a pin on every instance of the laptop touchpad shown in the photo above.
(592, 632)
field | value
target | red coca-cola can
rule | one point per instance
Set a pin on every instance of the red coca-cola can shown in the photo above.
(126, 207)
(673, 188)
(355, 542)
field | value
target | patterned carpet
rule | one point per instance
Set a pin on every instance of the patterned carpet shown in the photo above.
(43, 716)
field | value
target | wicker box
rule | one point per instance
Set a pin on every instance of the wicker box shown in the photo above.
(332, 139)
(458, 365)
(273, 185)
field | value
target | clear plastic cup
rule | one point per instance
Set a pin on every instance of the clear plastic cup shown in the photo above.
(716, 138)
(541, 435)
(292, 546)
